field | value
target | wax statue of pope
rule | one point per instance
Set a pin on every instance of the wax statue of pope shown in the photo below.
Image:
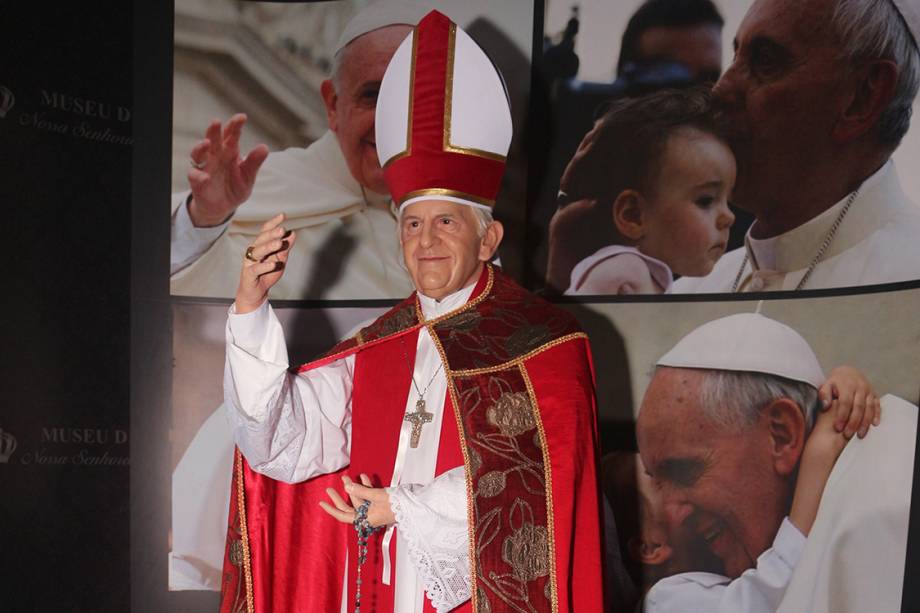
(467, 411)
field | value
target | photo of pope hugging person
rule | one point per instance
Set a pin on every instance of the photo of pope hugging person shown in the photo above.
(761, 479)
(798, 133)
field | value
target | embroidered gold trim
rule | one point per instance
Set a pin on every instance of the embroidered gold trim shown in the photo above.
(441, 191)
(466, 307)
(241, 504)
(520, 359)
(455, 400)
(361, 341)
(408, 149)
(548, 475)
(448, 104)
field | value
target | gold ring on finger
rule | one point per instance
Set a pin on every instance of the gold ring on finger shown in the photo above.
(249, 255)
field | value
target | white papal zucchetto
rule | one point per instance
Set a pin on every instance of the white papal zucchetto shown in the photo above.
(381, 14)
(747, 342)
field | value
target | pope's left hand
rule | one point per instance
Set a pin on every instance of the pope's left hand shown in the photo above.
(379, 512)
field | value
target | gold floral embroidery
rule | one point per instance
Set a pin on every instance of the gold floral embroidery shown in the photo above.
(513, 543)
(236, 552)
(526, 339)
(401, 320)
(526, 550)
(550, 522)
(492, 484)
(469, 372)
(475, 461)
(483, 605)
(463, 322)
(512, 414)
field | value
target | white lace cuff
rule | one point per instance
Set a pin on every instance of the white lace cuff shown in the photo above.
(432, 522)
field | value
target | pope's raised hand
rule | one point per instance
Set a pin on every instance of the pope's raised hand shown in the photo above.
(220, 180)
(263, 264)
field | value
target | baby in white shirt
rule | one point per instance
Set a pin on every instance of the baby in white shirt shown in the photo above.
(647, 195)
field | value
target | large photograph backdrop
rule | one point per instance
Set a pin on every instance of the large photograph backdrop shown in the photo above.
(270, 62)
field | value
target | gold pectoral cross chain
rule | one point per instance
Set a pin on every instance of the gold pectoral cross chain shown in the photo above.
(418, 419)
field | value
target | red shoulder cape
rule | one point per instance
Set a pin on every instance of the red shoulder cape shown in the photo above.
(522, 393)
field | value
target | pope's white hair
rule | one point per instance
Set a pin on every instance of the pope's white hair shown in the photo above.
(874, 29)
(484, 217)
(335, 73)
(735, 399)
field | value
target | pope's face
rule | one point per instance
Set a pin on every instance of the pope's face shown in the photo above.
(442, 247)
(781, 96)
(716, 481)
(687, 551)
(350, 106)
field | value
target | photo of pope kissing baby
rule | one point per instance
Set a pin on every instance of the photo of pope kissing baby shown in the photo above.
(706, 146)
(757, 455)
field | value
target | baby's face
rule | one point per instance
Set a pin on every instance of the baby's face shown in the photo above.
(687, 216)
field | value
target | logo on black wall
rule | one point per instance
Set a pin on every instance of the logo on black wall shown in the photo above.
(7, 100)
(7, 446)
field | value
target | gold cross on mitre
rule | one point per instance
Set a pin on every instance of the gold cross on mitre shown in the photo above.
(418, 419)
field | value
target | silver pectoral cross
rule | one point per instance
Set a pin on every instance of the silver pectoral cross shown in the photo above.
(418, 419)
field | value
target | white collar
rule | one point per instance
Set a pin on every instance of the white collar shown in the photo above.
(879, 195)
(432, 308)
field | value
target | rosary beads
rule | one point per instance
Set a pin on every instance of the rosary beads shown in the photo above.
(364, 530)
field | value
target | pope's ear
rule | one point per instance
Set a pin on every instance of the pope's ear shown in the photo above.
(874, 89)
(647, 552)
(490, 241)
(628, 214)
(786, 425)
(327, 90)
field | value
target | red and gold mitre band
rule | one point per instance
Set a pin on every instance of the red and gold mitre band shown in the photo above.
(443, 123)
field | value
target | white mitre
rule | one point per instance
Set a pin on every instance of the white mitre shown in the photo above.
(910, 11)
(380, 15)
(747, 342)
(443, 122)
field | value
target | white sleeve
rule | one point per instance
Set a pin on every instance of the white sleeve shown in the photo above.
(431, 520)
(187, 242)
(757, 590)
(289, 426)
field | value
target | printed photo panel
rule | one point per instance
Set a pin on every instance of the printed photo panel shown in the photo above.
(648, 179)
(708, 456)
